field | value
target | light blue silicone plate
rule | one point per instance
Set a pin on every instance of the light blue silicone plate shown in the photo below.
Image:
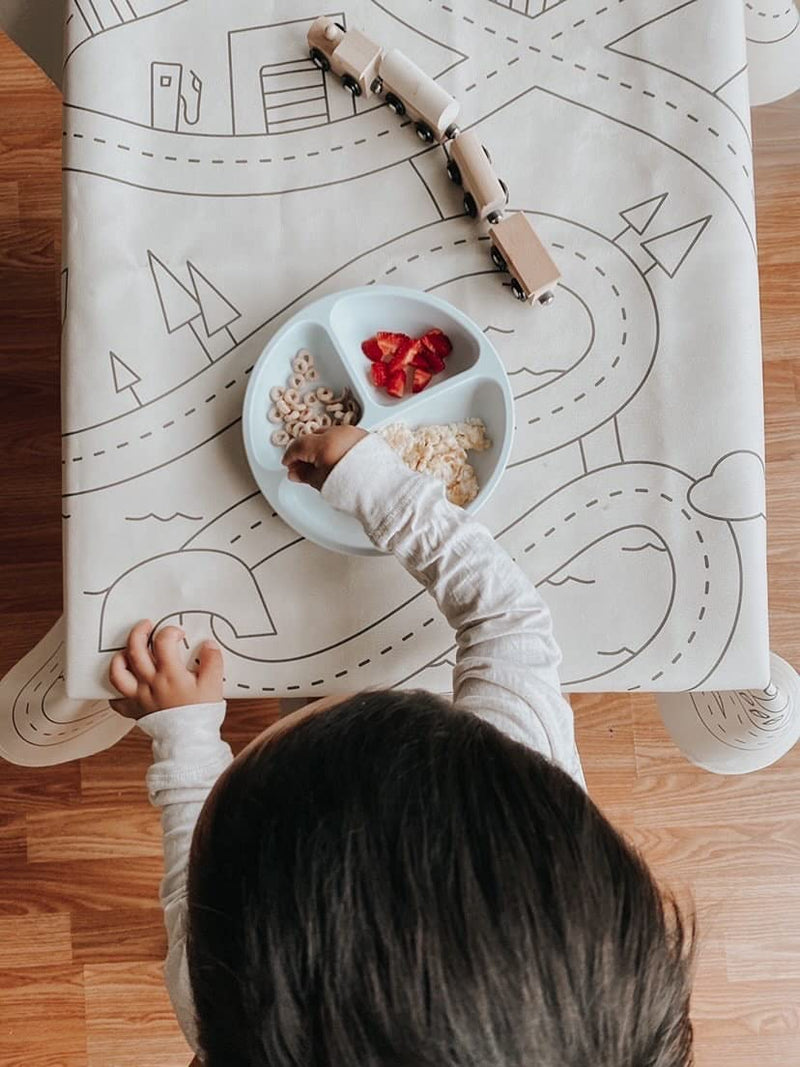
(474, 385)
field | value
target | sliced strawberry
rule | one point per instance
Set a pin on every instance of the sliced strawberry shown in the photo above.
(438, 342)
(426, 359)
(420, 380)
(433, 362)
(372, 350)
(390, 342)
(380, 374)
(396, 385)
(405, 354)
(421, 357)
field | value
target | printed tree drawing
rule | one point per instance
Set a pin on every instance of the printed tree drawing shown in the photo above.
(639, 216)
(217, 312)
(203, 308)
(668, 250)
(125, 379)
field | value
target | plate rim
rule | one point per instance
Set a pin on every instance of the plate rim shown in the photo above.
(326, 304)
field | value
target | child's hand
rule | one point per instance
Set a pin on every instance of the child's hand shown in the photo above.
(158, 679)
(311, 459)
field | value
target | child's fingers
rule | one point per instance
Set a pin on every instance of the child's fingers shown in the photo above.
(140, 660)
(121, 677)
(211, 664)
(302, 450)
(306, 473)
(165, 648)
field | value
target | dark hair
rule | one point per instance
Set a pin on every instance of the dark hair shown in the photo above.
(395, 883)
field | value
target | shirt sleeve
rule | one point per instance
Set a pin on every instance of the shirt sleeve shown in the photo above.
(188, 757)
(507, 659)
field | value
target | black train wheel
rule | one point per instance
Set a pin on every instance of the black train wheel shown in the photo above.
(470, 206)
(517, 290)
(424, 132)
(395, 103)
(351, 85)
(453, 172)
(319, 59)
(497, 258)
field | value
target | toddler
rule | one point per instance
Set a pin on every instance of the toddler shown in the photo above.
(393, 879)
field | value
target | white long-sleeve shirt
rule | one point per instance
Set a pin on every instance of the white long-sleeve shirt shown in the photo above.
(506, 666)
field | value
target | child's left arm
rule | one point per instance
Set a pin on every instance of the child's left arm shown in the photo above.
(182, 712)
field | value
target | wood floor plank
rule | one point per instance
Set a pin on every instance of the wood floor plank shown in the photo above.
(116, 776)
(784, 594)
(665, 799)
(760, 939)
(750, 1050)
(94, 832)
(13, 849)
(35, 940)
(99, 884)
(604, 733)
(247, 719)
(736, 853)
(27, 789)
(42, 1017)
(129, 1018)
(782, 509)
(9, 201)
(119, 935)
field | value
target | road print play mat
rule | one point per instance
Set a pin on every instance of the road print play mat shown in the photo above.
(215, 181)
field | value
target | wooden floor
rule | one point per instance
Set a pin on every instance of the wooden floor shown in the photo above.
(80, 931)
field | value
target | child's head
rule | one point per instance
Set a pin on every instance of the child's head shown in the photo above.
(393, 883)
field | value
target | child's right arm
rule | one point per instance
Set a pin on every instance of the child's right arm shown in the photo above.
(507, 661)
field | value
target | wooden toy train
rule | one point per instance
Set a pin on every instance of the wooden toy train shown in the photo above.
(366, 69)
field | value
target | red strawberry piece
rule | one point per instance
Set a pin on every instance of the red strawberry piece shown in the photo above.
(420, 380)
(396, 385)
(438, 341)
(404, 356)
(426, 359)
(380, 374)
(390, 342)
(372, 350)
(434, 362)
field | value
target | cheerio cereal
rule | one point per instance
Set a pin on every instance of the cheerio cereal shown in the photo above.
(299, 408)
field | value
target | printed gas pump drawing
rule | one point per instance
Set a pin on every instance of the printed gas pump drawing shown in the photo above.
(173, 106)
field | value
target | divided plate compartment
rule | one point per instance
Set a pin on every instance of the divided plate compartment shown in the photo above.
(473, 385)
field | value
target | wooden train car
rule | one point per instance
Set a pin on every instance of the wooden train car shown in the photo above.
(470, 166)
(410, 91)
(348, 53)
(365, 69)
(517, 249)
